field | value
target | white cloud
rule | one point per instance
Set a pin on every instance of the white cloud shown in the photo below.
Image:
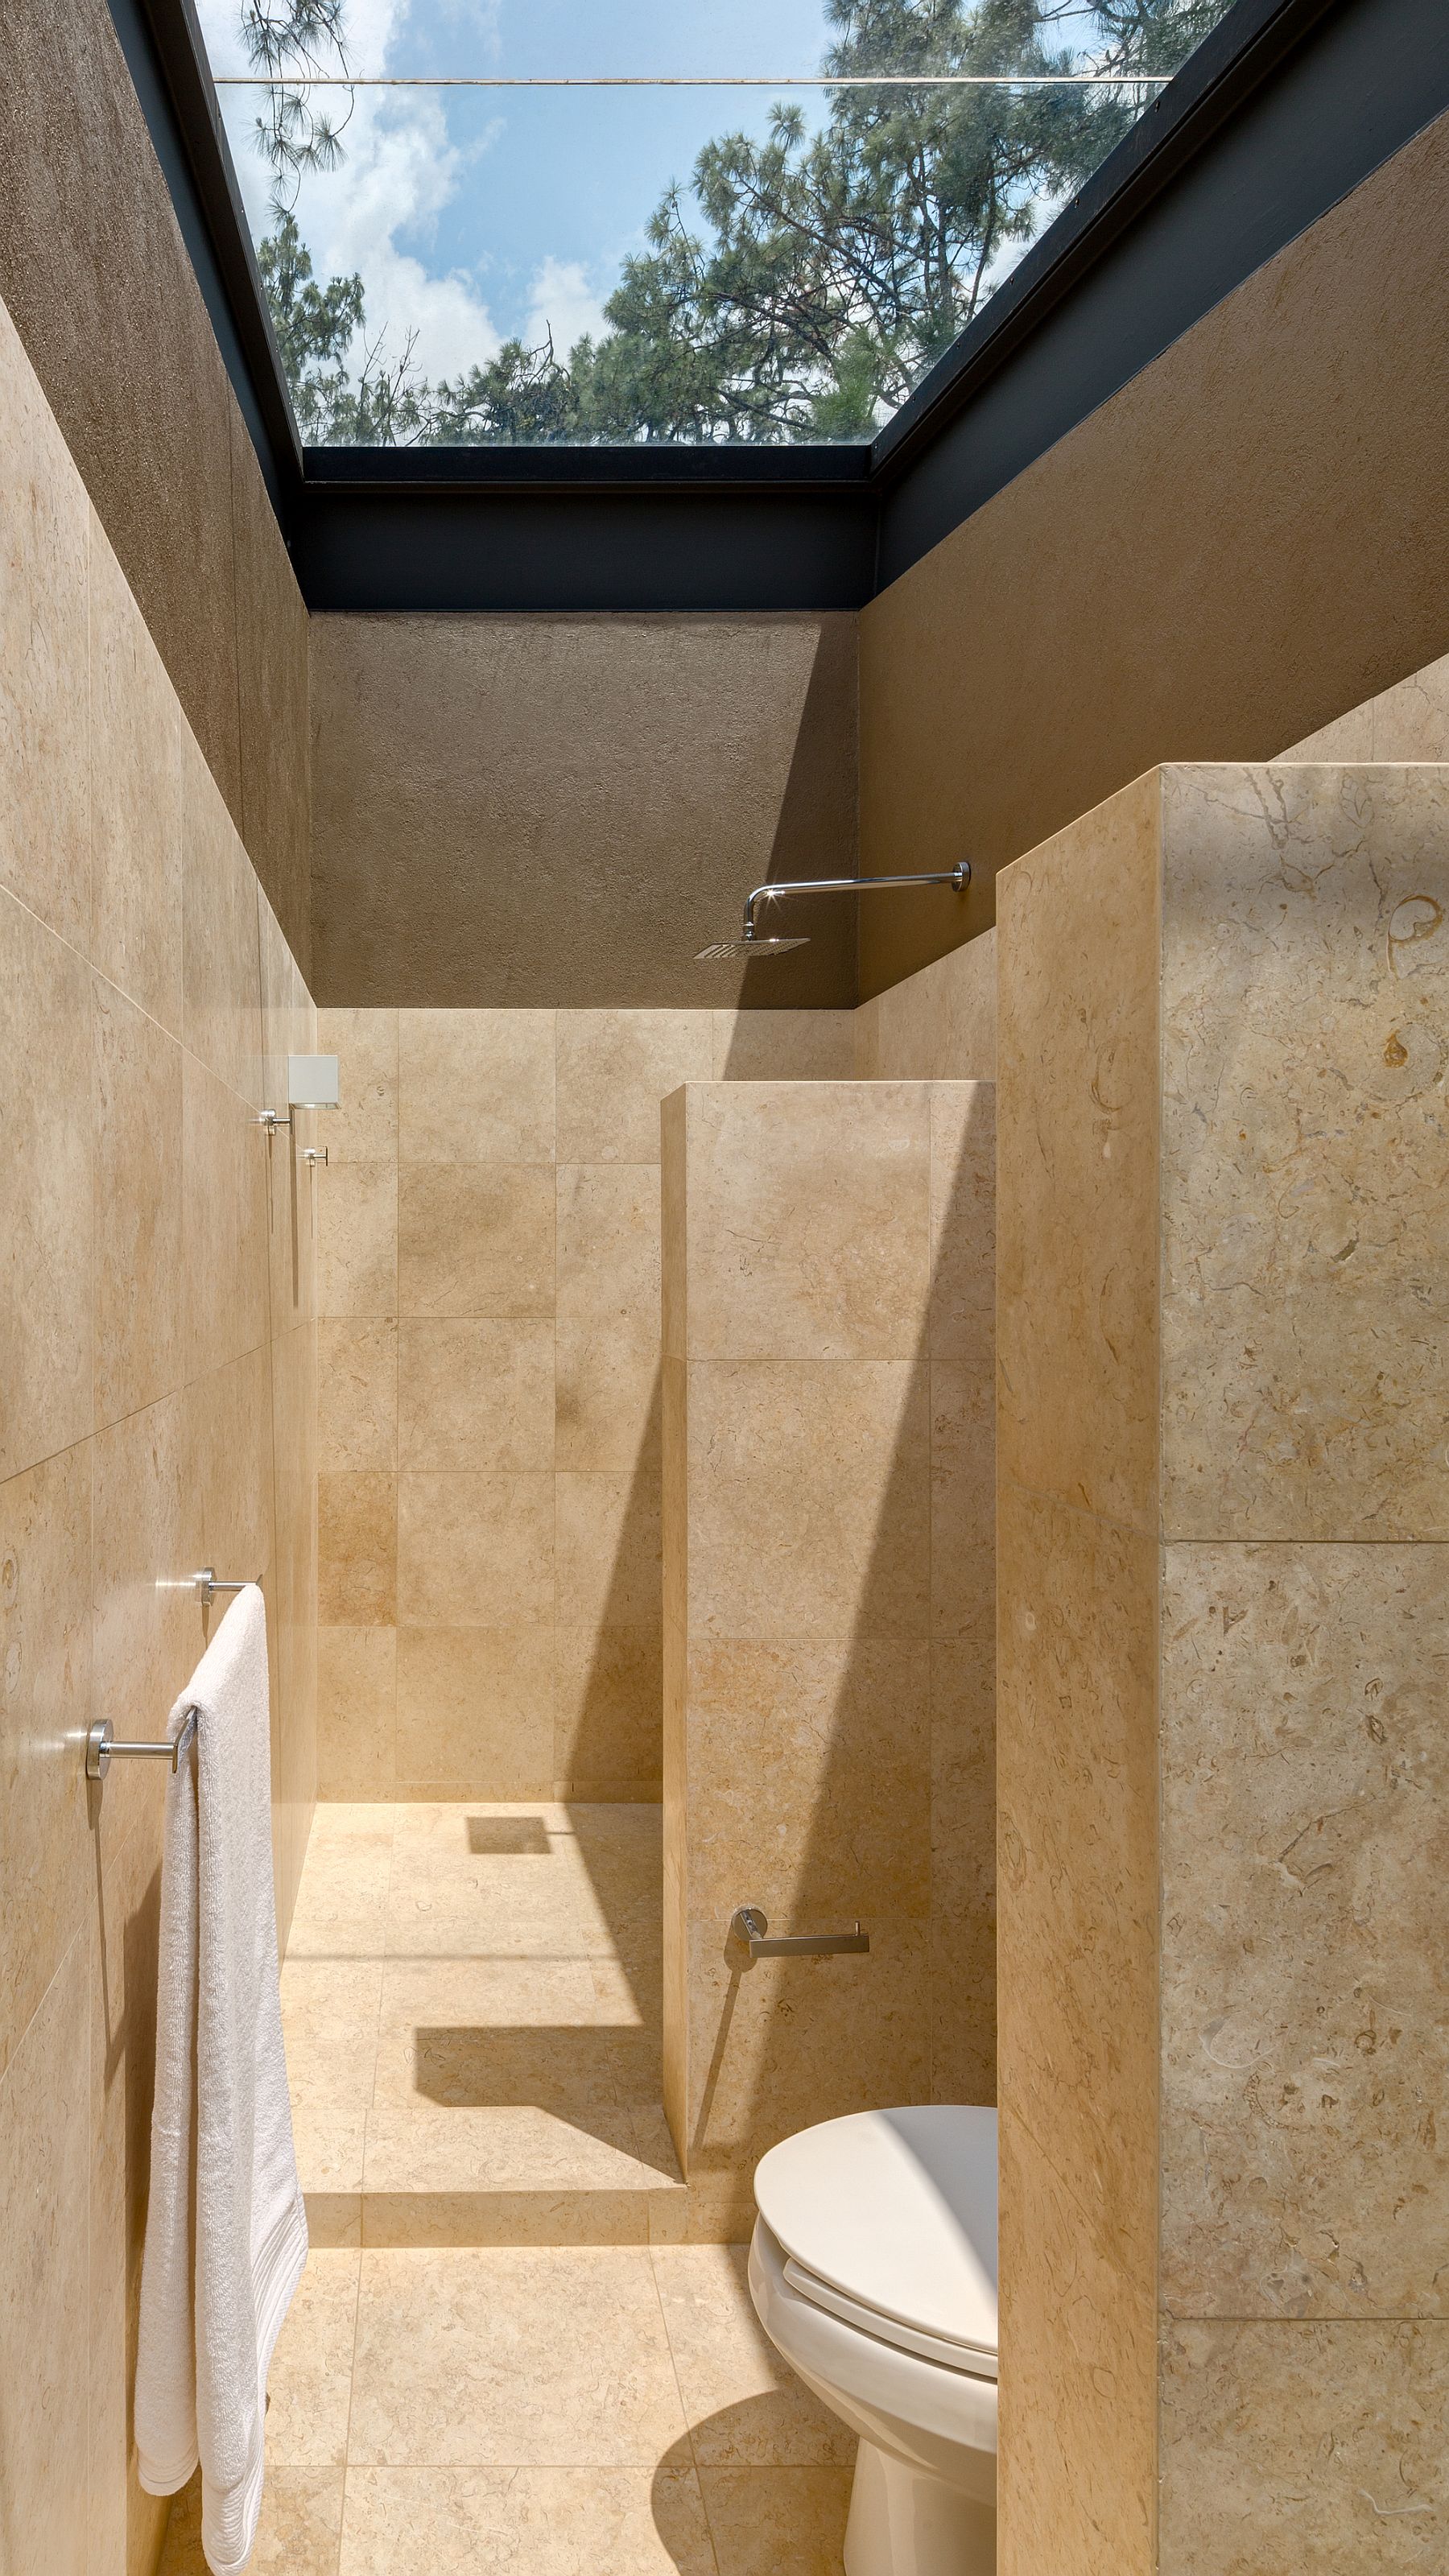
(561, 300)
(399, 173)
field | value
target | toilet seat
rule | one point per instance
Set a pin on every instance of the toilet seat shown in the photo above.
(871, 2321)
(887, 2220)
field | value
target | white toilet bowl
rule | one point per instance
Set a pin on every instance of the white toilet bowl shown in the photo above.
(873, 2270)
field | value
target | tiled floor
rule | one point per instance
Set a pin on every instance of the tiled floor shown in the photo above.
(471, 2000)
(503, 2359)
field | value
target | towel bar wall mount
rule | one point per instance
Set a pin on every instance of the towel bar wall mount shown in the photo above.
(102, 1747)
(749, 1925)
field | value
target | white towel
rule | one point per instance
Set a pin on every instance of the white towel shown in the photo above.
(226, 2233)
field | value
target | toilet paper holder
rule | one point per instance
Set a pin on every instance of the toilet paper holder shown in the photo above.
(751, 1926)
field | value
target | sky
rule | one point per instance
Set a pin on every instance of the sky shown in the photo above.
(475, 215)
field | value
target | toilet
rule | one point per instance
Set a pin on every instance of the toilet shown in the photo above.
(873, 2271)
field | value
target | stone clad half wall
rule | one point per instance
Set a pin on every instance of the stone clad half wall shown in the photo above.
(1223, 1634)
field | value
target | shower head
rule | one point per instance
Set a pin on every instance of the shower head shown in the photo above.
(756, 943)
(747, 947)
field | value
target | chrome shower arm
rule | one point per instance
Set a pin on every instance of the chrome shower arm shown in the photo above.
(959, 877)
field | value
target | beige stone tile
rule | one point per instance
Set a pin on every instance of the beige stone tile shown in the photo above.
(357, 1238)
(228, 1471)
(460, 2359)
(224, 1228)
(761, 2519)
(147, 1629)
(1077, 2452)
(1293, 2446)
(552, 2522)
(138, 749)
(721, 2208)
(297, 2532)
(476, 1086)
(963, 1497)
(744, 2405)
(289, 1022)
(674, 1233)
(138, 1183)
(962, 1322)
(363, 1128)
(781, 2044)
(1305, 1024)
(475, 1393)
(357, 1548)
(45, 2147)
(608, 1249)
(1411, 720)
(330, 2011)
(476, 1704)
(1077, 1791)
(293, 1210)
(309, 2385)
(357, 1393)
(221, 970)
(608, 1550)
(516, 2173)
(465, 2032)
(45, 1189)
(606, 1397)
(963, 1994)
(608, 1714)
(44, 682)
(1078, 922)
(475, 1550)
(450, 1899)
(614, 1068)
(1303, 1857)
(356, 1711)
(808, 1220)
(45, 1660)
(935, 1026)
(783, 1046)
(476, 1239)
(1348, 737)
(808, 1499)
(831, 1743)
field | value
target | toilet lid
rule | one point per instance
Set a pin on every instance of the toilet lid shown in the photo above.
(897, 2211)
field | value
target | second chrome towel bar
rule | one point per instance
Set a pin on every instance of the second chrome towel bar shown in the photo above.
(102, 1746)
(749, 1925)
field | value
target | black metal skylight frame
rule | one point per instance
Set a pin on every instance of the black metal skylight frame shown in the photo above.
(820, 487)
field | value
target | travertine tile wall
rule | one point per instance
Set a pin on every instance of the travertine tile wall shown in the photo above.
(157, 1397)
(490, 1595)
(1223, 1512)
(829, 1602)
(938, 1025)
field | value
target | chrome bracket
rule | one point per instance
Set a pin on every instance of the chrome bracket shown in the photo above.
(208, 1583)
(102, 1747)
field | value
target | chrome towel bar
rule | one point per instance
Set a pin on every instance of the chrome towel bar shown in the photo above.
(102, 1746)
(749, 1925)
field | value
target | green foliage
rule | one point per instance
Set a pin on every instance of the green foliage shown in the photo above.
(802, 284)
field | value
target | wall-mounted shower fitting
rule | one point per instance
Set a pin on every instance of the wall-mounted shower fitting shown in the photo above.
(311, 1084)
(754, 942)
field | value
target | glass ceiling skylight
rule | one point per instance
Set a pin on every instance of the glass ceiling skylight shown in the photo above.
(486, 222)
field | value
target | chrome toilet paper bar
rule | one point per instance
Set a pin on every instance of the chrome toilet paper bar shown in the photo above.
(750, 1926)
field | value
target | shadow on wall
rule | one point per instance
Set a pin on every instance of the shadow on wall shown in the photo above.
(852, 1774)
(818, 834)
(541, 812)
